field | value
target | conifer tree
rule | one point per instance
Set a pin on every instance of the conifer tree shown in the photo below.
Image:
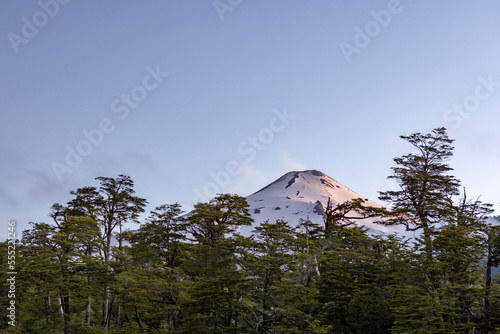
(112, 205)
(215, 290)
(59, 262)
(440, 286)
(279, 296)
(160, 241)
(492, 261)
(151, 284)
(425, 197)
(353, 283)
(219, 218)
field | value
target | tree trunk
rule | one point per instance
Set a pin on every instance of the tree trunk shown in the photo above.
(487, 290)
(59, 301)
(66, 307)
(120, 237)
(137, 317)
(105, 308)
(110, 311)
(87, 311)
(316, 265)
(427, 240)
(106, 252)
(49, 302)
(118, 313)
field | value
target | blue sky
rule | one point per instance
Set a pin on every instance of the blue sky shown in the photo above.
(195, 97)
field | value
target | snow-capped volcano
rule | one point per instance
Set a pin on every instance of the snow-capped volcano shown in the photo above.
(305, 194)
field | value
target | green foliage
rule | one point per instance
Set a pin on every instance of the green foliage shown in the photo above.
(276, 300)
(160, 241)
(223, 215)
(215, 292)
(56, 269)
(353, 283)
(439, 285)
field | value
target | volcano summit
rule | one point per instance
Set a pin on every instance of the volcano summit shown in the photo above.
(304, 195)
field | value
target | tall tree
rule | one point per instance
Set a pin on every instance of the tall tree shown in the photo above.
(492, 261)
(278, 298)
(353, 285)
(442, 289)
(160, 241)
(61, 248)
(459, 264)
(215, 291)
(426, 190)
(152, 284)
(112, 205)
(220, 217)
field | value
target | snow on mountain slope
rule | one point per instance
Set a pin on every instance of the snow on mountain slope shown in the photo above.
(304, 194)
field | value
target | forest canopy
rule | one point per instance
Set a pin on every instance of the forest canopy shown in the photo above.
(180, 272)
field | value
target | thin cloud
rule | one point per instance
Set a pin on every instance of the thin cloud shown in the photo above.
(289, 164)
(252, 179)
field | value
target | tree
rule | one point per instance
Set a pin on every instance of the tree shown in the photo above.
(492, 261)
(440, 285)
(277, 296)
(494, 309)
(353, 285)
(339, 215)
(161, 239)
(426, 190)
(223, 215)
(59, 260)
(215, 290)
(152, 284)
(112, 205)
